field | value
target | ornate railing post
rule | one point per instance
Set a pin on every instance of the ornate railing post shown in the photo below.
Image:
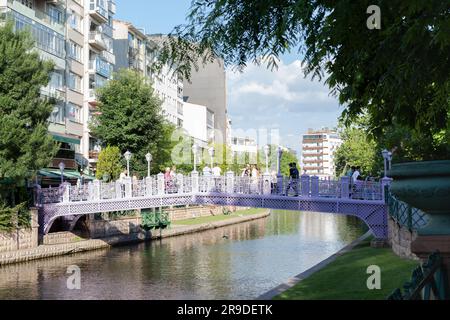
(345, 187)
(180, 183)
(267, 184)
(209, 181)
(314, 186)
(148, 187)
(194, 177)
(280, 187)
(66, 192)
(119, 192)
(161, 184)
(385, 183)
(230, 182)
(128, 187)
(306, 185)
(90, 191)
(96, 190)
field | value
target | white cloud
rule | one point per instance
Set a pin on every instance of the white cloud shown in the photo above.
(283, 99)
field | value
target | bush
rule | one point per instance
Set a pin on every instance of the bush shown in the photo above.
(14, 217)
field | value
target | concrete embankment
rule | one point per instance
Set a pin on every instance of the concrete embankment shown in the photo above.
(79, 245)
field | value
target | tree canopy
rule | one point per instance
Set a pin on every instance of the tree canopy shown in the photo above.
(25, 144)
(398, 74)
(109, 164)
(130, 118)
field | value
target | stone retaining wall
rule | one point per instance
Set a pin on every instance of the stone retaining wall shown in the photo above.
(21, 238)
(400, 239)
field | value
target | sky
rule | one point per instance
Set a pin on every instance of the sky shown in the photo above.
(257, 98)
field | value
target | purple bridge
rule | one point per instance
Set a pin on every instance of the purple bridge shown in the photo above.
(362, 199)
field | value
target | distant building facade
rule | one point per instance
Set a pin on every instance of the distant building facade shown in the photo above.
(207, 87)
(318, 152)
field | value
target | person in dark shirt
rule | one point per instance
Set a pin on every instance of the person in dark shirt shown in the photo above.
(294, 176)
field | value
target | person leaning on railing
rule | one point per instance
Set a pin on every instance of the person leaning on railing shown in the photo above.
(294, 176)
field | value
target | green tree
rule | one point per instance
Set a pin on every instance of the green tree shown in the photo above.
(287, 157)
(25, 145)
(109, 163)
(398, 74)
(130, 117)
(359, 150)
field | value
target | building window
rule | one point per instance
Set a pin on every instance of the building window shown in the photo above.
(56, 15)
(76, 21)
(28, 3)
(74, 113)
(75, 51)
(75, 82)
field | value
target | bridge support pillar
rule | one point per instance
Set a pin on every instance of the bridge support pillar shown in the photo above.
(230, 182)
(345, 187)
(194, 177)
(314, 186)
(148, 187)
(161, 184)
(267, 184)
(306, 185)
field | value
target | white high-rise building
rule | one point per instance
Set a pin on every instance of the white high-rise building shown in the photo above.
(318, 151)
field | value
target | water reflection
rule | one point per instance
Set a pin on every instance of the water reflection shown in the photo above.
(235, 262)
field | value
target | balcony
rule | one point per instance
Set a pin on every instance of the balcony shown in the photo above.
(58, 94)
(97, 12)
(100, 67)
(96, 41)
(92, 99)
(37, 15)
(93, 154)
(112, 7)
(108, 57)
(69, 163)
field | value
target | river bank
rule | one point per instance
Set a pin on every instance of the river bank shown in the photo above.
(79, 245)
(343, 276)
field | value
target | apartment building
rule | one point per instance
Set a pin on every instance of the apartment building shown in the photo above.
(244, 147)
(137, 51)
(99, 66)
(199, 124)
(167, 84)
(77, 36)
(207, 87)
(318, 151)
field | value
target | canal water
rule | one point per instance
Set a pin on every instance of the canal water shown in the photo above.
(236, 262)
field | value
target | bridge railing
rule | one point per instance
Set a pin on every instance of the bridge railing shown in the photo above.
(266, 184)
(404, 214)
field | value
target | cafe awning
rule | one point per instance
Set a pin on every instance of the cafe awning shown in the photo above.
(65, 139)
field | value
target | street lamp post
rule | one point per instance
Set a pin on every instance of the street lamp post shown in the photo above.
(211, 155)
(266, 152)
(149, 159)
(62, 166)
(194, 152)
(385, 155)
(280, 153)
(390, 160)
(127, 156)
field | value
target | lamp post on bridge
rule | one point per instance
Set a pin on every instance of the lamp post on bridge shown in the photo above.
(385, 155)
(149, 159)
(62, 166)
(127, 156)
(279, 155)
(266, 152)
